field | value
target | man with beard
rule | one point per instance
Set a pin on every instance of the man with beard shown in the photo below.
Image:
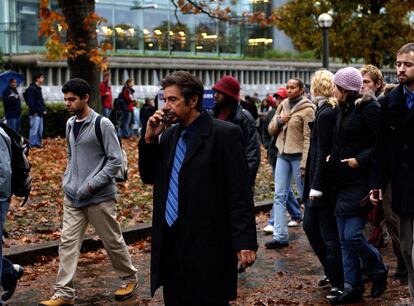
(90, 195)
(227, 108)
(393, 158)
(203, 220)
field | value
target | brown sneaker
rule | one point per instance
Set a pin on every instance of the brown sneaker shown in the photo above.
(56, 300)
(126, 290)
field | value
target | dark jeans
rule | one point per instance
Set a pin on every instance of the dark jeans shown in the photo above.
(125, 130)
(14, 123)
(320, 228)
(356, 250)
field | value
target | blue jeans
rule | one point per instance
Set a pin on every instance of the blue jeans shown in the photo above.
(125, 130)
(36, 131)
(283, 177)
(106, 112)
(356, 250)
(14, 123)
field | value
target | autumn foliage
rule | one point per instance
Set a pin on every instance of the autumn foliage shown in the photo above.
(53, 25)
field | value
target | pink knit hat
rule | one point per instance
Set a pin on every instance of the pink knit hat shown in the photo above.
(349, 78)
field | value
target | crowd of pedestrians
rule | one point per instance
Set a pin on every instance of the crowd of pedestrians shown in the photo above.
(340, 156)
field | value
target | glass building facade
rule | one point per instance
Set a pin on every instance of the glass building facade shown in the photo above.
(146, 27)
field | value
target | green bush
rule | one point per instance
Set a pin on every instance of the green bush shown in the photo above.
(54, 122)
(290, 55)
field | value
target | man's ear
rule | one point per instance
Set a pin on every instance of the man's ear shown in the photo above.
(193, 101)
(87, 98)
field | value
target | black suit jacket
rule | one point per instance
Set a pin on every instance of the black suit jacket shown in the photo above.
(215, 217)
(394, 152)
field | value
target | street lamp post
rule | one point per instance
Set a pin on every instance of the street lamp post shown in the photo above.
(325, 22)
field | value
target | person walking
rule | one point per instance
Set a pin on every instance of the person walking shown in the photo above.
(203, 219)
(147, 110)
(105, 92)
(90, 196)
(10, 273)
(269, 143)
(353, 146)
(128, 99)
(12, 106)
(290, 126)
(393, 157)
(228, 108)
(36, 110)
(319, 222)
(373, 81)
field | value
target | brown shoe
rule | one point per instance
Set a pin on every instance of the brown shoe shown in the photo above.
(56, 300)
(126, 290)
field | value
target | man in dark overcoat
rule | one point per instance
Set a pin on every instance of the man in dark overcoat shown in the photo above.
(393, 159)
(203, 220)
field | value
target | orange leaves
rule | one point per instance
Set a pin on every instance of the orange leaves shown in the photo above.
(53, 25)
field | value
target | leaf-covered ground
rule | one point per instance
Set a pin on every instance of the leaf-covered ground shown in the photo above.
(288, 276)
(40, 219)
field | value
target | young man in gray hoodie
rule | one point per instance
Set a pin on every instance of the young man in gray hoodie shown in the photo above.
(90, 195)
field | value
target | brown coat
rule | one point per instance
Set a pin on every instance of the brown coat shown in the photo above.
(293, 137)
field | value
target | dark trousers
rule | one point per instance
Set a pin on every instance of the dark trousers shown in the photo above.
(322, 232)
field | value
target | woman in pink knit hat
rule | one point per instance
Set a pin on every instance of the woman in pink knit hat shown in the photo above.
(353, 145)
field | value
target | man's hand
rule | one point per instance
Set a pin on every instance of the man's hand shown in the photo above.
(375, 195)
(155, 126)
(246, 258)
(352, 162)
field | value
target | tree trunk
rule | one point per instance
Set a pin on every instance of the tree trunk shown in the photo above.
(84, 38)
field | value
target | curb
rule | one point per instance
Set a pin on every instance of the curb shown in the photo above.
(27, 255)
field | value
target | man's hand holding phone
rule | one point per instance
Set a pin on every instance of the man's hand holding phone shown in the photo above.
(155, 126)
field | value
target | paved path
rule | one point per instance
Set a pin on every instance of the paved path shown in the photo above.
(279, 277)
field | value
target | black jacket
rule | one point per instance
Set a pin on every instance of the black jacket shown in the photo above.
(269, 142)
(394, 153)
(355, 136)
(215, 217)
(35, 100)
(319, 175)
(12, 103)
(244, 120)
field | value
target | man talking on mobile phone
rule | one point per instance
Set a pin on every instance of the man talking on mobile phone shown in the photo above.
(203, 220)
(393, 159)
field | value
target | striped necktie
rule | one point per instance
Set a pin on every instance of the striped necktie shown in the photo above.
(171, 208)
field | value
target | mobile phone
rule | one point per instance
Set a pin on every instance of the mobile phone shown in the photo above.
(376, 194)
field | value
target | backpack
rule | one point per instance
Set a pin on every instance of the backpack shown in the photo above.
(122, 174)
(21, 180)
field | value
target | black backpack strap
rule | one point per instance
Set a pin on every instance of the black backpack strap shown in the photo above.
(98, 131)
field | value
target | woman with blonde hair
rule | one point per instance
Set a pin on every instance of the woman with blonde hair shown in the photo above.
(319, 221)
(290, 126)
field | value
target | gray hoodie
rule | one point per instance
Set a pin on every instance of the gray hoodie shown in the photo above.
(5, 166)
(89, 165)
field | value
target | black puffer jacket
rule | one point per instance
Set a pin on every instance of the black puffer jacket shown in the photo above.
(354, 137)
(243, 119)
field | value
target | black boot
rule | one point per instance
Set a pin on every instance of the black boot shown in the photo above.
(379, 284)
(348, 296)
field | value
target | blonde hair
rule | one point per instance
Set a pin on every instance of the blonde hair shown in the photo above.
(322, 84)
(374, 73)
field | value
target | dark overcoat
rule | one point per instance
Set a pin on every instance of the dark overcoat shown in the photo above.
(394, 152)
(215, 217)
(355, 136)
(319, 174)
